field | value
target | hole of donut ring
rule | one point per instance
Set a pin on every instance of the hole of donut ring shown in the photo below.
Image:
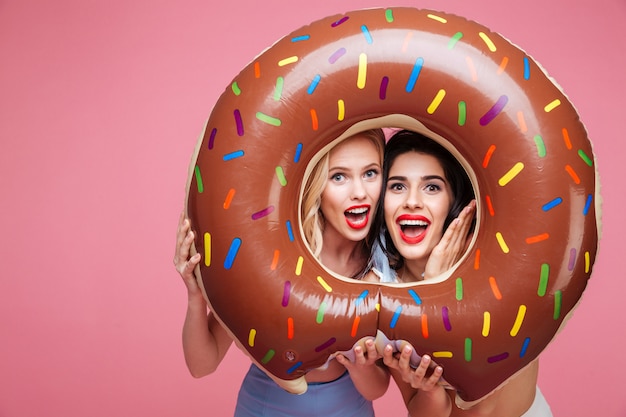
(390, 124)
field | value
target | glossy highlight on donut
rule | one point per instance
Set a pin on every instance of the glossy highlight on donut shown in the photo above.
(515, 132)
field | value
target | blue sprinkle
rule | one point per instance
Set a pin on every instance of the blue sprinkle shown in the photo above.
(396, 316)
(415, 73)
(552, 204)
(300, 38)
(296, 157)
(314, 83)
(526, 68)
(232, 155)
(416, 297)
(368, 35)
(232, 253)
(293, 368)
(524, 347)
(289, 230)
(587, 205)
(361, 297)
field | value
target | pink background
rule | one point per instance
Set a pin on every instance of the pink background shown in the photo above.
(101, 103)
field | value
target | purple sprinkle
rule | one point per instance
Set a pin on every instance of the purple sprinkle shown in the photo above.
(572, 259)
(340, 21)
(446, 318)
(239, 122)
(383, 87)
(328, 343)
(498, 358)
(336, 55)
(286, 292)
(262, 213)
(494, 111)
(212, 138)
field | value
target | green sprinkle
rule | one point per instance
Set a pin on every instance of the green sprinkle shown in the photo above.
(541, 147)
(236, 88)
(585, 157)
(320, 313)
(281, 176)
(558, 296)
(459, 289)
(543, 280)
(462, 113)
(457, 37)
(278, 91)
(389, 15)
(199, 179)
(468, 349)
(268, 356)
(268, 119)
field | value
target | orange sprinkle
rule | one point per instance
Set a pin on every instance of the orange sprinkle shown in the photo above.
(407, 39)
(494, 288)
(538, 238)
(522, 122)
(572, 174)
(355, 326)
(425, 326)
(568, 142)
(472, 69)
(314, 121)
(489, 206)
(477, 260)
(257, 69)
(290, 328)
(229, 198)
(490, 152)
(503, 65)
(275, 260)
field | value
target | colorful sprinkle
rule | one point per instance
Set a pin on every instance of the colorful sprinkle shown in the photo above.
(436, 101)
(566, 139)
(278, 90)
(298, 153)
(488, 41)
(498, 358)
(446, 318)
(289, 230)
(407, 40)
(552, 204)
(314, 121)
(512, 173)
(294, 367)
(524, 349)
(503, 64)
(355, 326)
(320, 313)
(280, 174)
(477, 260)
(526, 68)
(462, 113)
(537, 238)
(486, 323)
(268, 119)
(286, 293)
(199, 179)
(341, 110)
(300, 38)
(587, 205)
(324, 284)
(489, 206)
(519, 320)
(541, 146)
(552, 105)
(416, 298)
(238, 122)
(502, 243)
(257, 69)
(340, 21)
(299, 264)
(235, 88)
(558, 296)
(396, 316)
(572, 259)
(336, 55)
(207, 249)
(367, 34)
(389, 15)
(437, 18)
(382, 94)
(415, 73)
(288, 61)
(468, 349)
(232, 253)
(472, 68)
(290, 328)
(521, 121)
(314, 84)
(572, 174)
(262, 213)
(275, 259)
(585, 157)
(361, 297)
(454, 39)
(425, 326)
(212, 138)
(232, 155)
(488, 155)
(494, 110)
(494, 288)
(442, 354)
(229, 198)
(362, 72)
(326, 344)
(251, 337)
(587, 262)
(544, 277)
(459, 289)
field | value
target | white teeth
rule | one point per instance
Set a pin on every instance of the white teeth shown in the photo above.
(360, 210)
(413, 223)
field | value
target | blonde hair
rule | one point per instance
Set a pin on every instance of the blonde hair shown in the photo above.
(313, 222)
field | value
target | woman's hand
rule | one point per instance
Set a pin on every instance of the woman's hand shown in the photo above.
(183, 263)
(453, 243)
(425, 377)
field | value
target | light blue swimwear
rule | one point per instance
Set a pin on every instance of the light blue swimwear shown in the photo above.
(259, 396)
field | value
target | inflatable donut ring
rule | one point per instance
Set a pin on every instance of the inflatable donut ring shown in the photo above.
(517, 134)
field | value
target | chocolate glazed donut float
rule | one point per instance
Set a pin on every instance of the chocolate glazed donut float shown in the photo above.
(517, 135)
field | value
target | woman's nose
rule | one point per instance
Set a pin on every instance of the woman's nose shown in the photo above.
(413, 200)
(358, 190)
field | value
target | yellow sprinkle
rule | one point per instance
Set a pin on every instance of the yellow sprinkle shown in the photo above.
(378, 307)
(487, 41)
(502, 243)
(362, 71)
(436, 101)
(552, 105)
(207, 249)
(506, 178)
(587, 262)
(341, 110)
(251, 337)
(287, 61)
(299, 265)
(518, 320)
(324, 284)
(437, 18)
(442, 354)
(486, 323)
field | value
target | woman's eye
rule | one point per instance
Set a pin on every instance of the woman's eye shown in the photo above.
(337, 177)
(433, 188)
(395, 186)
(372, 173)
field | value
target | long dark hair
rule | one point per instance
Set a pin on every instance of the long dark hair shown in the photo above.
(400, 143)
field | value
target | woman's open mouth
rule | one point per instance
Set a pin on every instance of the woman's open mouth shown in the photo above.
(357, 217)
(412, 228)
